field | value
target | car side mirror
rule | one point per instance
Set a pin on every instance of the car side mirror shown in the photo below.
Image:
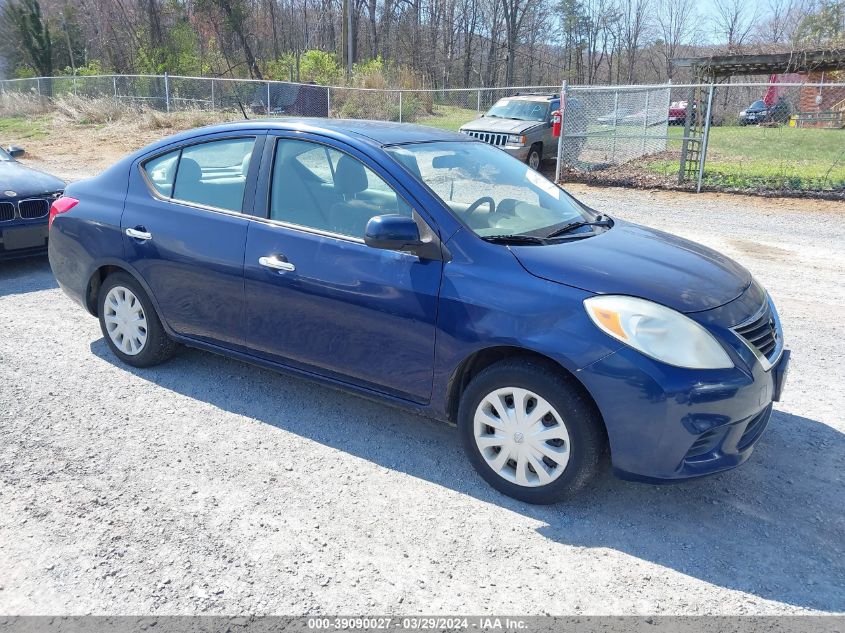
(393, 232)
(15, 151)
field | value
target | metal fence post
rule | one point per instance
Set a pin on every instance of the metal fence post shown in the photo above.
(478, 103)
(114, 83)
(558, 164)
(682, 169)
(167, 91)
(38, 82)
(645, 122)
(328, 102)
(268, 98)
(615, 116)
(212, 95)
(400, 106)
(702, 155)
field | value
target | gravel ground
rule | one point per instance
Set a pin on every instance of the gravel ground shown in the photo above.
(207, 485)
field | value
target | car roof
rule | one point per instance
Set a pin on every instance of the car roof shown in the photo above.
(533, 97)
(374, 132)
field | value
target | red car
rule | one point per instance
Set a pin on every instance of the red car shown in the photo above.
(677, 112)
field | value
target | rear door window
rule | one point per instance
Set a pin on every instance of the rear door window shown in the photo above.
(214, 174)
(211, 174)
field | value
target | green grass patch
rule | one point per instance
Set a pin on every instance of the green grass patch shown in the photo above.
(767, 158)
(447, 117)
(22, 128)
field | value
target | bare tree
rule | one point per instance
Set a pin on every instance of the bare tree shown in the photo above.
(633, 24)
(734, 21)
(675, 22)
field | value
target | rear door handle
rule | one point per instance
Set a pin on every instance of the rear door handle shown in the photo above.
(276, 262)
(139, 234)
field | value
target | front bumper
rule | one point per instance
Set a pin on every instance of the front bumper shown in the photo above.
(668, 424)
(23, 239)
(520, 152)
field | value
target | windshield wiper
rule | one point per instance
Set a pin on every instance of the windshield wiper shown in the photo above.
(601, 220)
(513, 239)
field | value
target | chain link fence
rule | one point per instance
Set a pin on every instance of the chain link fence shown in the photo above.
(448, 108)
(786, 138)
(782, 137)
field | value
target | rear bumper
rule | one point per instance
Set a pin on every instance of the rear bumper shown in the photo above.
(670, 424)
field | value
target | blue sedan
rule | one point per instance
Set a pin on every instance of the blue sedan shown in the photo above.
(436, 272)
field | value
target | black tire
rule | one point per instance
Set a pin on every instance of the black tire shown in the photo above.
(158, 347)
(588, 440)
(535, 153)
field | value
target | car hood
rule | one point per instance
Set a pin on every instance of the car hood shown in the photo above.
(503, 126)
(25, 181)
(634, 260)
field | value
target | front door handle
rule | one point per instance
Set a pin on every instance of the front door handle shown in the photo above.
(139, 234)
(276, 262)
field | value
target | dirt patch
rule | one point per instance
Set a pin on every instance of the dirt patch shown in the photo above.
(763, 251)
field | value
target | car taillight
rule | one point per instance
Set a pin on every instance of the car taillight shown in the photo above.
(61, 205)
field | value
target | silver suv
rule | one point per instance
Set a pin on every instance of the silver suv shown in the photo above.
(520, 125)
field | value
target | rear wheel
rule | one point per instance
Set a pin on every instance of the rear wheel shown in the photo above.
(529, 432)
(534, 157)
(130, 324)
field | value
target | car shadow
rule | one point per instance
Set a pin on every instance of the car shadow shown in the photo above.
(772, 528)
(19, 276)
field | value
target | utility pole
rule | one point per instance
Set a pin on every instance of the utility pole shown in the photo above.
(346, 36)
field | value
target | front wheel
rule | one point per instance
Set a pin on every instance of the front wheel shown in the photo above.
(534, 157)
(130, 324)
(529, 432)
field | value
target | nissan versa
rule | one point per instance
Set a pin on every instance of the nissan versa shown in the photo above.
(438, 272)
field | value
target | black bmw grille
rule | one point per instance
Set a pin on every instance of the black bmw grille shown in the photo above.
(7, 211)
(33, 208)
(761, 333)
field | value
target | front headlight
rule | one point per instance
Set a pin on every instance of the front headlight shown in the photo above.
(516, 139)
(657, 331)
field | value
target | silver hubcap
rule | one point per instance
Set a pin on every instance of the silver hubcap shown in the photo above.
(521, 437)
(534, 160)
(125, 320)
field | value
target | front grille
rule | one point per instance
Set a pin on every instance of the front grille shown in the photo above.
(488, 137)
(33, 208)
(761, 333)
(7, 211)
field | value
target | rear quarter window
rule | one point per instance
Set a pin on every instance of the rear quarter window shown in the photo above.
(161, 172)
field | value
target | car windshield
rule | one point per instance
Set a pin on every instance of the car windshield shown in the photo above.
(4, 155)
(519, 109)
(491, 192)
(757, 105)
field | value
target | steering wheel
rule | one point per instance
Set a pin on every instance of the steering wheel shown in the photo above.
(474, 206)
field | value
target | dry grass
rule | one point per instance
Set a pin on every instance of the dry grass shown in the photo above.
(17, 104)
(90, 110)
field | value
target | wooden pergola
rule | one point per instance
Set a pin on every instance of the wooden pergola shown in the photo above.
(717, 67)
